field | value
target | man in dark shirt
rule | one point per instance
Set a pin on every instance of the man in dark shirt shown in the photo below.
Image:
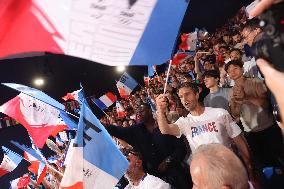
(162, 155)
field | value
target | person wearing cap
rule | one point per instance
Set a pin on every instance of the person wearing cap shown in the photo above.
(218, 96)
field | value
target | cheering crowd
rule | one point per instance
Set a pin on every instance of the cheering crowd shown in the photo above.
(217, 95)
(207, 121)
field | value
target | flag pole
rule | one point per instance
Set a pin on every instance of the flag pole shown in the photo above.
(105, 113)
(204, 52)
(167, 77)
(72, 115)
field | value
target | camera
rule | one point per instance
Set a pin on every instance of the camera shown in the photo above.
(270, 44)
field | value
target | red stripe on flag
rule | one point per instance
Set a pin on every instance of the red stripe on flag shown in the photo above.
(183, 45)
(111, 96)
(178, 58)
(39, 133)
(3, 172)
(42, 175)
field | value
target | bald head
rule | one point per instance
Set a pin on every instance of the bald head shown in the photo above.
(214, 166)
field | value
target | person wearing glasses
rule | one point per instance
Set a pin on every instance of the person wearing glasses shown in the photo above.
(249, 32)
(138, 178)
(162, 155)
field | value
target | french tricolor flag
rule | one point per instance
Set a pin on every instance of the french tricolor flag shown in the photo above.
(189, 41)
(95, 162)
(71, 96)
(105, 101)
(39, 118)
(126, 85)
(120, 110)
(37, 160)
(10, 161)
(127, 32)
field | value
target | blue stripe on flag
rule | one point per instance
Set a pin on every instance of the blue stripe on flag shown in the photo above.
(127, 80)
(100, 150)
(158, 40)
(16, 158)
(151, 71)
(35, 93)
(100, 104)
(36, 154)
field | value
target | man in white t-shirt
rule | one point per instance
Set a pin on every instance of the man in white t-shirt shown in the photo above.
(203, 125)
(138, 179)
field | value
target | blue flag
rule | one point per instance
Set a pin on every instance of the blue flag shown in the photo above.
(126, 84)
(34, 152)
(13, 156)
(103, 163)
(151, 71)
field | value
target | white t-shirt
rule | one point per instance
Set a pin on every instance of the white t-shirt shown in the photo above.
(150, 182)
(215, 125)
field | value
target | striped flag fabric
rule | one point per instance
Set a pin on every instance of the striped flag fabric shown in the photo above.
(189, 41)
(71, 96)
(37, 160)
(180, 57)
(122, 33)
(10, 161)
(152, 70)
(120, 110)
(95, 162)
(105, 101)
(126, 84)
(21, 182)
(44, 98)
(40, 119)
(146, 80)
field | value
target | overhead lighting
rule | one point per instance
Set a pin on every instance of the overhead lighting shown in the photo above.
(120, 68)
(39, 82)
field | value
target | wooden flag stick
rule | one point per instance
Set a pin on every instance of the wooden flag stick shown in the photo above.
(167, 77)
(72, 115)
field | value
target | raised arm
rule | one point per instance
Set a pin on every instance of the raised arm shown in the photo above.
(165, 128)
(196, 67)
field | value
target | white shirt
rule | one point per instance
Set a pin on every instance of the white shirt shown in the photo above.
(150, 182)
(215, 125)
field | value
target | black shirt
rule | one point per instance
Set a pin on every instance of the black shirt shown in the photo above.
(153, 147)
